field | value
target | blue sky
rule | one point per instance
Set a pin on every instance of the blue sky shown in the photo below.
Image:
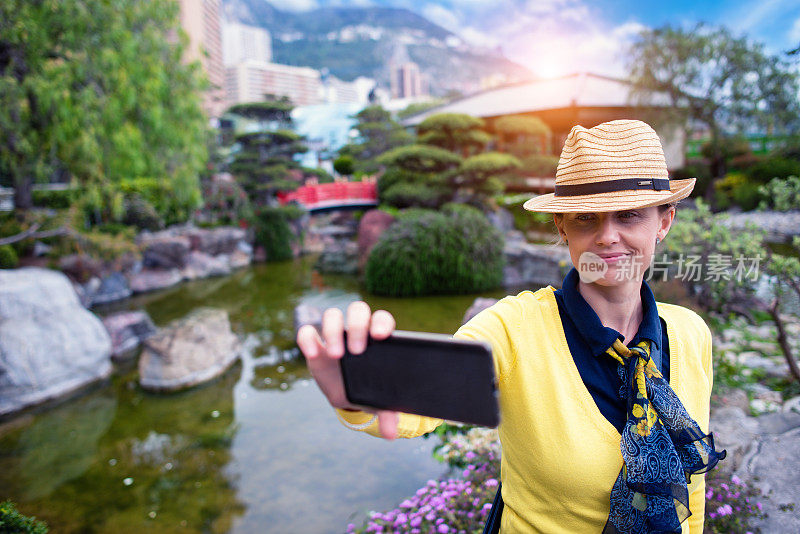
(556, 37)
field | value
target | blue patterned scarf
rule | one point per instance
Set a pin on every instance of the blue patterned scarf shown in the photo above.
(662, 446)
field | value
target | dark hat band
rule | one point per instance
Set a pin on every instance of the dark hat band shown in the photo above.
(624, 184)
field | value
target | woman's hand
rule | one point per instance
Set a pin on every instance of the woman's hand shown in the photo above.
(323, 353)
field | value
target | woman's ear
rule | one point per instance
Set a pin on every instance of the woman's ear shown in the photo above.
(666, 222)
(558, 220)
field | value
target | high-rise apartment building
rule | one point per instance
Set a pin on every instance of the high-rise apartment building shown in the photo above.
(241, 43)
(406, 80)
(250, 81)
(200, 19)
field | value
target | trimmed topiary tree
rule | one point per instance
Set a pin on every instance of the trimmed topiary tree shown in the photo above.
(455, 250)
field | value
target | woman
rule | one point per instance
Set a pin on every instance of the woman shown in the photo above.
(603, 392)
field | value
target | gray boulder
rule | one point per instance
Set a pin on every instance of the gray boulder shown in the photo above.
(190, 351)
(215, 241)
(165, 252)
(50, 345)
(153, 279)
(307, 314)
(338, 257)
(529, 265)
(201, 265)
(127, 331)
(112, 288)
(478, 305)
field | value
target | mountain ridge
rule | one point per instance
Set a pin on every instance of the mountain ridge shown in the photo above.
(360, 41)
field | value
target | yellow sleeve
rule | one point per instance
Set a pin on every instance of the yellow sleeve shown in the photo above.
(409, 425)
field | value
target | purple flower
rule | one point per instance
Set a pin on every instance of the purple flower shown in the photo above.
(491, 483)
(443, 529)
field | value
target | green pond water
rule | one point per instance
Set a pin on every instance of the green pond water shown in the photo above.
(258, 450)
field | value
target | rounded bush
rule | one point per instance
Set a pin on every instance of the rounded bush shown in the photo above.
(8, 257)
(456, 250)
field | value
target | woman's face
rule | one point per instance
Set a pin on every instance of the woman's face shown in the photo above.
(612, 248)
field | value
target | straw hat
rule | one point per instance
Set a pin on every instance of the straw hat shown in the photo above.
(614, 166)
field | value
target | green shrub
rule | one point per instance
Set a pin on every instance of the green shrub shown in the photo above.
(407, 195)
(775, 167)
(141, 214)
(426, 252)
(737, 189)
(56, 199)
(540, 165)
(781, 195)
(345, 165)
(13, 522)
(8, 257)
(272, 231)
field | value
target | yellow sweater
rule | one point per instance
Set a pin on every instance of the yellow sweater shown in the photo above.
(561, 456)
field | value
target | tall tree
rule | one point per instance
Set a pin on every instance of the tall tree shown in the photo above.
(264, 163)
(456, 132)
(377, 133)
(710, 76)
(98, 91)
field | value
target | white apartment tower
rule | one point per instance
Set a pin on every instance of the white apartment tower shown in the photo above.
(241, 43)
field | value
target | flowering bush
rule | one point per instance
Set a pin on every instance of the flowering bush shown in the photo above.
(456, 505)
(730, 504)
(476, 446)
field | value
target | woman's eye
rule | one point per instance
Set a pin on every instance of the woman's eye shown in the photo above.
(627, 214)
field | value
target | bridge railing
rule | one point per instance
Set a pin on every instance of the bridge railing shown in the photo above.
(346, 192)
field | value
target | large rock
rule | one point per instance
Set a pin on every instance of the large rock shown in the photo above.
(190, 351)
(153, 279)
(773, 464)
(80, 267)
(201, 265)
(50, 345)
(370, 228)
(529, 265)
(764, 450)
(478, 305)
(307, 314)
(165, 251)
(110, 289)
(338, 257)
(215, 241)
(127, 331)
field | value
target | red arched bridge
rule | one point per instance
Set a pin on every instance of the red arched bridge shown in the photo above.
(335, 196)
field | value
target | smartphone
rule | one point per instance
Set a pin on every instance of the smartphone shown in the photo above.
(425, 374)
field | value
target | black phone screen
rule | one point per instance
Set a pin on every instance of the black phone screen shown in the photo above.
(425, 374)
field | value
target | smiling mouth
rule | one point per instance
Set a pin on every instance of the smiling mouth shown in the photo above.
(612, 257)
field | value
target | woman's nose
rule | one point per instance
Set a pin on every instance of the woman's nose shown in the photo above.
(607, 233)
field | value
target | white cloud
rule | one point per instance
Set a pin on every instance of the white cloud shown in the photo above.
(794, 33)
(442, 16)
(478, 38)
(295, 5)
(553, 48)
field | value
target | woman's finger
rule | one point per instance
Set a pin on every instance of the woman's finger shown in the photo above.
(382, 324)
(358, 316)
(309, 341)
(333, 332)
(387, 423)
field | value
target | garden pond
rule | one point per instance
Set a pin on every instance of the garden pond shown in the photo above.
(258, 450)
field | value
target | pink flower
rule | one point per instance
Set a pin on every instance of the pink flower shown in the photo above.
(443, 529)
